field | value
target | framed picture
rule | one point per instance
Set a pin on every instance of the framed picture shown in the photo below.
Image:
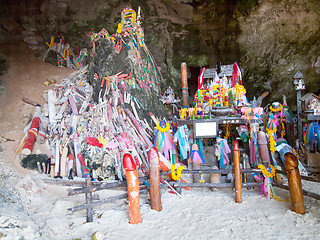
(205, 129)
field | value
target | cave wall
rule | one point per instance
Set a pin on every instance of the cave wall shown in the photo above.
(270, 39)
(277, 39)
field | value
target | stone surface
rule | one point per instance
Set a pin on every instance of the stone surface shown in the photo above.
(270, 40)
(285, 36)
(107, 63)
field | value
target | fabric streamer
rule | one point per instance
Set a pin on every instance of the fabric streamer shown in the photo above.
(313, 134)
(200, 78)
(254, 153)
(94, 142)
(199, 142)
(253, 157)
(288, 114)
(163, 140)
(196, 157)
(271, 131)
(223, 151)
(182, 138)
(267, 189)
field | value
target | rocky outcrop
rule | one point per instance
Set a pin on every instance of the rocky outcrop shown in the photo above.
(277, 39)
(106, 62)
(270, 40)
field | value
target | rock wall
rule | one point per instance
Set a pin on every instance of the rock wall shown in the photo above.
(279, 38)
(270, 39)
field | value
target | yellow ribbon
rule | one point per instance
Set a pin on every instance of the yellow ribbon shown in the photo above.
(51, 43)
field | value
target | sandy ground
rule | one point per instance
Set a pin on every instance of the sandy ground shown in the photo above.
(32, 209)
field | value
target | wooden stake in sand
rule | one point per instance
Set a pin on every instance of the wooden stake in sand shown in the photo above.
(154, 174)
(237, 172)
(294, 182)
(32, 132)
(185, 95)
(133, 189)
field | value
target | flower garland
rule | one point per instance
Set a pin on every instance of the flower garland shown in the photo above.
(295, 152)
(272, 142)
(240, 88)
(161, 128)
(266, 172)
(276, 109)
(283, 131)
(176, 176)
(183, 114)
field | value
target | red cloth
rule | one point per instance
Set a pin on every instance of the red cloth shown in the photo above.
(93, 142)
(234, 74)
(200, 78)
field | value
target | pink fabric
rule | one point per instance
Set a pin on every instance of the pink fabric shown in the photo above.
(126, 139)
(112, 144)
(226, 150)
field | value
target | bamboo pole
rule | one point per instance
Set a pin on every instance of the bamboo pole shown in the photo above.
(185, 94)
(237, 172)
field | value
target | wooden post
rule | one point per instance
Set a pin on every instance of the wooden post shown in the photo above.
(31, 137)
(185, 94)
(263, 148)
(196, 176)
(32, 132)
(195, 164)
(244, 166)
(294, 182)
(154, 175)
(299, 120)
(51, 107)
(64, 156)
(133, 189)
(215, 177)
(237, 172)
(89, 202)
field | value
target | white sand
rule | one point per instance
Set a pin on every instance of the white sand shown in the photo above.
(32, 209)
